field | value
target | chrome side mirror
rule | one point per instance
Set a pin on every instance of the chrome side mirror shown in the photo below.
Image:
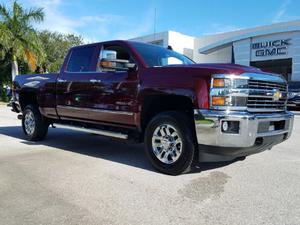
(108, 61)
(108, 54)
(116, 64)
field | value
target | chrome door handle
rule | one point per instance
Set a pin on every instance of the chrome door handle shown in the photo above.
(95, 81)
(61, 80)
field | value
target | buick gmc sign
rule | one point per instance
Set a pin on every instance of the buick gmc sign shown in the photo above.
(271, 48)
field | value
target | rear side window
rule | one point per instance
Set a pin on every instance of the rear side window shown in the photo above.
(80, 59)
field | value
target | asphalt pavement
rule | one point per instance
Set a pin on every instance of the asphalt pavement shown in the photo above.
(78, 178)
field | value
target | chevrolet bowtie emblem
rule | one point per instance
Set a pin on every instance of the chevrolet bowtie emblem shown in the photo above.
(277, 95)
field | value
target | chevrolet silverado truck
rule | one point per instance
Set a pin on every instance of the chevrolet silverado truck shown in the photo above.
(181, 110)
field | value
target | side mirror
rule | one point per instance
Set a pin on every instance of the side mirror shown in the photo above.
(109, 62)
(108, 54)
(116, 64)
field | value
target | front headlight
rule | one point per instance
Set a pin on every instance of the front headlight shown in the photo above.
(228, 92)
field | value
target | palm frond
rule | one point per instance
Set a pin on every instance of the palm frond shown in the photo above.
(5, 36)
(34, 15)
(31, 60)
(17, 34)
(4, 13)
(32, 43)
(17, 10)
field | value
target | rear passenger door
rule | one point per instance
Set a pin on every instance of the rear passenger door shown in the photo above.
(73, 84)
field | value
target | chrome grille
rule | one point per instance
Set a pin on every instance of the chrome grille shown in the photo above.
(261, 96)
(267, 85)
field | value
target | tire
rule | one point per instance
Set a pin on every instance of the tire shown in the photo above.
(170, 142)
(34, 125)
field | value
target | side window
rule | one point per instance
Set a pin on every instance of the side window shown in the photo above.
(113, 52)
(80, 59)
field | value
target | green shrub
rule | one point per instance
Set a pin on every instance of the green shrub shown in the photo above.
(3, 96)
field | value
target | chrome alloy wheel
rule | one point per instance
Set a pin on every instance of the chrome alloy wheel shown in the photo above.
(166, 144)
(29, 123)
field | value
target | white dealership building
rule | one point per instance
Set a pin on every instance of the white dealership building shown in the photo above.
(274, 48)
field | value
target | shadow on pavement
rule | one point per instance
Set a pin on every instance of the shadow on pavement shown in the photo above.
(96, 146)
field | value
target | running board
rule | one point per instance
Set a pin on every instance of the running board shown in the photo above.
(93, 131)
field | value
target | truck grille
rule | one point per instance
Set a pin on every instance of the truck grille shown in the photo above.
(267, 85)
(261, 96)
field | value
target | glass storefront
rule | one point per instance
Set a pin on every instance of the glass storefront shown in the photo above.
(279, 66)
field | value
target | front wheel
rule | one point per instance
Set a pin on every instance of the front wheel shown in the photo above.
(170, 142)
(34, 125)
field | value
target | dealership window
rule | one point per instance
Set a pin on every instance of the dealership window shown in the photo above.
(157, 42)
(278, 66)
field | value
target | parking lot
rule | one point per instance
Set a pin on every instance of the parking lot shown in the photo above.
(77, 178)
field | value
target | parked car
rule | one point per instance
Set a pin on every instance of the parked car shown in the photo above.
(183, 111)
(294, 94)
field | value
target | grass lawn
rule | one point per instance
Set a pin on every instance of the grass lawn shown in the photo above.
(204, 122)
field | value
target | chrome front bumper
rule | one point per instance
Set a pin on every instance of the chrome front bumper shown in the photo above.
(253, 127)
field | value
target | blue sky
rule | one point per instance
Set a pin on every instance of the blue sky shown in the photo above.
(98, 20)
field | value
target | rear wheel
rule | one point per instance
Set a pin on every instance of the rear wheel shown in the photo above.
(170, 142)
(34, 125)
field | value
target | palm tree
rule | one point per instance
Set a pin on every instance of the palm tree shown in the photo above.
(18, 38)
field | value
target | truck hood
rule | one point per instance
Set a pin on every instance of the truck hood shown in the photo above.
(226, 67)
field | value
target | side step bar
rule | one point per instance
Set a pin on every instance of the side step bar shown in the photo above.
(93, 131)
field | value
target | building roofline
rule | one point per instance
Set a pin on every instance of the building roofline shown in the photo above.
(252, 32)
(160, 33)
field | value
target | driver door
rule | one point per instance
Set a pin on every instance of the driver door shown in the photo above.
(112, 93)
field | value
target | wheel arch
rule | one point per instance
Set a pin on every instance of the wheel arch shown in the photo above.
(157, 103)
(27, 97)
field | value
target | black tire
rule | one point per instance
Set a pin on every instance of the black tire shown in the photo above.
(39, 127)
(184, 129)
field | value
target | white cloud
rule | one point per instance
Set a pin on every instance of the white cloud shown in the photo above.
(145, 26)
(92, 28)
(54, 19)
(217, 28)
(281, 13)
(103, 18)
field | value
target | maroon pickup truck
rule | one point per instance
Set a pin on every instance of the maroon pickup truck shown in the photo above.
(182, 111)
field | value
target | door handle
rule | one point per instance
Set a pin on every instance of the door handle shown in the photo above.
(95, 81)
(61, 80)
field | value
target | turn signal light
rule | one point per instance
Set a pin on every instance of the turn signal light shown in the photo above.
(218, 82)
(218, 100)
(105, 64)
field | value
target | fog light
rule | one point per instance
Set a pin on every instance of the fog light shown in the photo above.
(225, 126)
(232, 127)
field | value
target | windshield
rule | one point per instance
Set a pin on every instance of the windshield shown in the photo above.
(155, 56)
